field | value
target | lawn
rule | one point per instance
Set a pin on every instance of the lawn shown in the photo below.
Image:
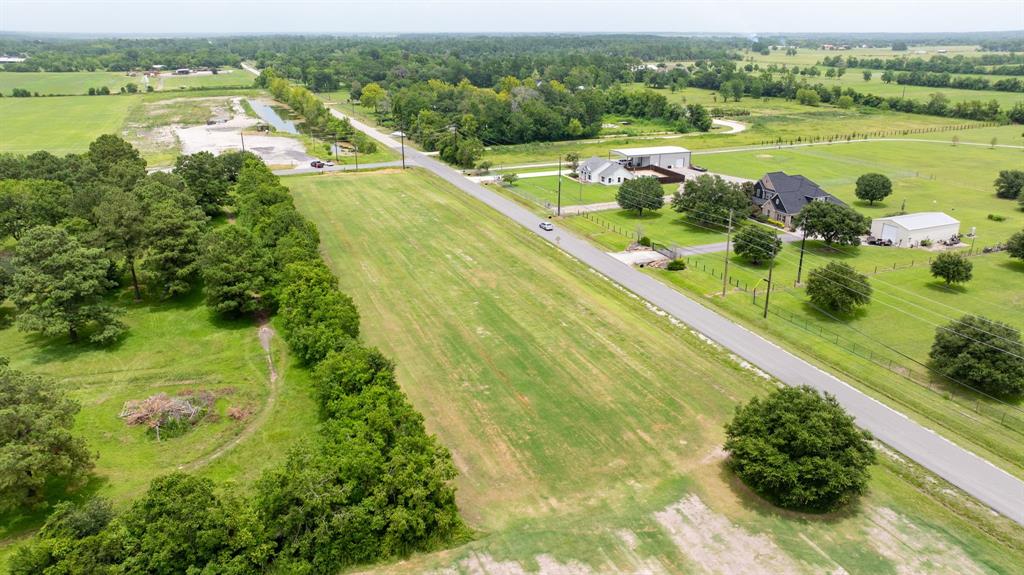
(580, 420)
(926, 177)
(61, 125)
(543, 189)
(616, 229)
(171, 348)
(64, 83)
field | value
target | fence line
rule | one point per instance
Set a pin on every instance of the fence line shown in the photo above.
(1007, 415)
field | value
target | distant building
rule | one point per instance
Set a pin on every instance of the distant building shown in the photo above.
(911, 229)
(781, 197)
(4, 59)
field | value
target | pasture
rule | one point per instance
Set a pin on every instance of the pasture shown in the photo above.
(926, 177)
(61, 125)
(811, 56)
(230, 77)
(581, 420)
(64, 83)
(170, 347)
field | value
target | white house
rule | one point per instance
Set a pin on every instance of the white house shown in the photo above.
(596, 170)
(669, 157)
(911, 229)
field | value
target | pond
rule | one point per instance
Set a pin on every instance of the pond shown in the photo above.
(269, 115)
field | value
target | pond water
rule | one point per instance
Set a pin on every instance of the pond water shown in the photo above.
(271, 116)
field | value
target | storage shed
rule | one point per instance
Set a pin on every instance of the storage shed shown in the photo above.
(910, 230)
(668, 157)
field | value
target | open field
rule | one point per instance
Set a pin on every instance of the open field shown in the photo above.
(60, 125)
(580, 420)
(776, 124)
(170, 348)
(617, 229)
(854, 78)
(809, 57)
(231, 77)
(64, 83)
(927, 177)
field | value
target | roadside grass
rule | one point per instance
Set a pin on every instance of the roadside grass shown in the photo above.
(545, 189)
(170, 347)
(60, 125)
(65, 83)
(927, 177)
(853, 346)
(575, 414)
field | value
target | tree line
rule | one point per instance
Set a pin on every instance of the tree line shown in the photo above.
(372, 485)
(999, 64)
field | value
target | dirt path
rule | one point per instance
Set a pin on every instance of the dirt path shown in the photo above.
(265, 334)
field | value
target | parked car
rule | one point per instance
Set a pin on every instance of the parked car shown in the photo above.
(698, 168)
(546, 226)
(317, 164)
(328, 163)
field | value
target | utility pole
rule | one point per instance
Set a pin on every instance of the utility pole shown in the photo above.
(335, 148)
(241, 134)
(800, 268)
(559, 210)
(974, 239)
(728, 244)
(768, 294)
(356, 146)
(403, 147)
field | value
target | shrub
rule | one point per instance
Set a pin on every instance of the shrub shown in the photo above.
(838, 287)
(676, 265)
(982, 353)
(799, 450)
(997, 218)
(1015, 245)
(644, 241)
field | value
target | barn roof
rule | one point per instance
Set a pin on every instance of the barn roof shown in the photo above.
(922, 220)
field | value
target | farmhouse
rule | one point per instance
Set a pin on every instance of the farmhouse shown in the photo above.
(911, 229)
(781, 196)
(667, 157)
(596, 170)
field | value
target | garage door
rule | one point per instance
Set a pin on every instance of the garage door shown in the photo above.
(891, 232)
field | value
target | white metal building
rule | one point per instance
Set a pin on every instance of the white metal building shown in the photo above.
(668, 157)
(911, 229)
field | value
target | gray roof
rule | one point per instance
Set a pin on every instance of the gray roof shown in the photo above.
(789, 194)
(610, 169)
(593, 163)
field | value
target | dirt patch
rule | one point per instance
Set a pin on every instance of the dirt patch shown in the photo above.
(228, 135)
(764, 156)
(716, 545)
(913, 549)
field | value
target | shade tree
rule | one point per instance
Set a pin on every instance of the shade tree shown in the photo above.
(873, 187)
(709, 199)
(952, 267)
(838, 287)
(800, 450)
(834, 223)
(757, 244)
(639, 194)
(982, 353)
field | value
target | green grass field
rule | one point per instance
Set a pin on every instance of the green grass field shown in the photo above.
(60, 125)
(580, 420)
(231, 77)
(171, 348)
(809, 57)
(928, 177)
(545, 189)
(64, 83)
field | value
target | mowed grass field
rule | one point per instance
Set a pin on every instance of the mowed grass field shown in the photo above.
(545, 189)
(580, 420)
(928, 177)
(60, 125)
(228, 77)
(170, 348)
(64, 83)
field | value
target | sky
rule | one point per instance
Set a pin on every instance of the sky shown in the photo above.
(154, 17)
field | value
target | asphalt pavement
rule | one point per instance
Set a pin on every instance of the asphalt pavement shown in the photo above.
(992, 486)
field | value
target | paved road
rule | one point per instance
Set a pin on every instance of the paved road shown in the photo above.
(341, 168)
(1001, 491)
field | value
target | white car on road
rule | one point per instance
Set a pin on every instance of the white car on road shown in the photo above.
(547, 226)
